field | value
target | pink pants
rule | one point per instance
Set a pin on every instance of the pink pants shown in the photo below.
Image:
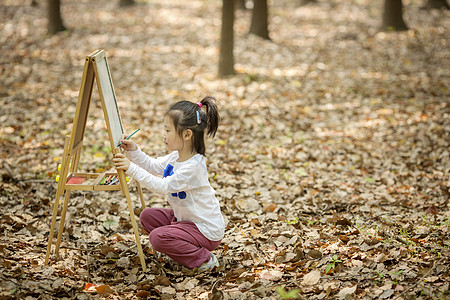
(181, 241)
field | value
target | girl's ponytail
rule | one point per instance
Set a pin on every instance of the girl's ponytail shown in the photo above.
(212, 114)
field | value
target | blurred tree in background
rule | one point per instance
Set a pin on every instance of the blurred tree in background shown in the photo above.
(55, 23)
(437, 4)
(260, 24)
(392, 20)
(123, 3)
(240, 4)
(226, 56)
(393, 16)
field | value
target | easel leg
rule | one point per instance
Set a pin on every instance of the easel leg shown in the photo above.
(136, 233)
(74, 168)
(124, 188)
(52, 227)
(141, 195)
(62, 222)
(59, 192)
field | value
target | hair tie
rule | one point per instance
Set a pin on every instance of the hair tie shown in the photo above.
(199, 104)
(199, 119)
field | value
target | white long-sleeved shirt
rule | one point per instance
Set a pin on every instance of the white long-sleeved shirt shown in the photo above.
(186, 187)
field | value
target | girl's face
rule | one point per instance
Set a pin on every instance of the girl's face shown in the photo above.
(171, 138)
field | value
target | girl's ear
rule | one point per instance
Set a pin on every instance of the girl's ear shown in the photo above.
(187, 134)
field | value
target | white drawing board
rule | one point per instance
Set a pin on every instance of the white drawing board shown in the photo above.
(106, 89)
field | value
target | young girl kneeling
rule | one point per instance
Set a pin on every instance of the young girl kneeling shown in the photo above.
(194, 225)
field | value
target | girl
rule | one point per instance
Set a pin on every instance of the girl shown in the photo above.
(194, 225)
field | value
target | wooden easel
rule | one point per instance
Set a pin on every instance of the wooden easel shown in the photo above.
(95, 68)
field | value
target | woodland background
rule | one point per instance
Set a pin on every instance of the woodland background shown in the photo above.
(331, 163)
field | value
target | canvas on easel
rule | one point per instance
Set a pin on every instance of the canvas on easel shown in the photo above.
(95, 69)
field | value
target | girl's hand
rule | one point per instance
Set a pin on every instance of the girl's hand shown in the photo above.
(121, 162)
(128, 145)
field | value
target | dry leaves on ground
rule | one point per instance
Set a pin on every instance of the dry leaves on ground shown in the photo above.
(331, 163)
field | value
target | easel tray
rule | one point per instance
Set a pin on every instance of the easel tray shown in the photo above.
(106, 181)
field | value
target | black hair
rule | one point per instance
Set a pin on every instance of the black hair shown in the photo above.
(198, 117)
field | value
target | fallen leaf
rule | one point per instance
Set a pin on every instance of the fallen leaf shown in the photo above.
(162, 280)
(344, 238)
(143, 294)
(431, 279)
(248, 205)
(269, 207)
(343, 222)
(104, 290)
(311, 278)
(90, 287)
(271, 275)
(387, 294)
(347, 291)
(369, 180)
(315, 253)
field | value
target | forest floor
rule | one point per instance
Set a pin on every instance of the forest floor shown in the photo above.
(331, 163)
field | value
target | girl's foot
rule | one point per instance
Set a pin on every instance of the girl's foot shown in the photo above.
(209, 265)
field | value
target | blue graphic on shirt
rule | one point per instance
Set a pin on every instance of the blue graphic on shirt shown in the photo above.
(168, 171)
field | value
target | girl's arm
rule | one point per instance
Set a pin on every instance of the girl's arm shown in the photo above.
(154, 166)
(183, 180)
(134, 153)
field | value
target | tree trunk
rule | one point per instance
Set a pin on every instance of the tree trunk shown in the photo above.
(306, 2)
(226, 56)
(438, 4)
(393, 16)
(55, 23)
(123, 3)
(260, 25)
(240, 4)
